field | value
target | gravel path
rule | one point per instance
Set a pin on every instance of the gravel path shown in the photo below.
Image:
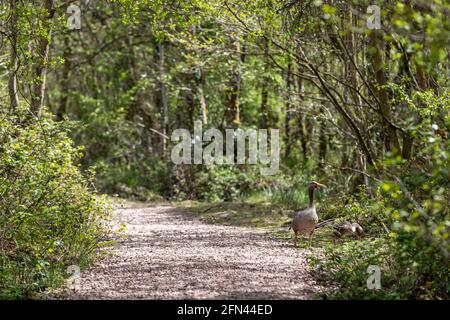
(169, 255)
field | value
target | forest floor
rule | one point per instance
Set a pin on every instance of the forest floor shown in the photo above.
(169, 253)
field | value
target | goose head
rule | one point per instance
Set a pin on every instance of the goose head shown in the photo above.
(314, 185)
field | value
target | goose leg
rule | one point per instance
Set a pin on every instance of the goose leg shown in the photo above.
(295, 238)
(310, 237)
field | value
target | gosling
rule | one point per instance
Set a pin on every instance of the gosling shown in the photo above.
(348, 229)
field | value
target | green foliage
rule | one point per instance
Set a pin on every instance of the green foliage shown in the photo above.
(290, 191)
(369, 211)
(214, 183)
(148, 179)
(410, 269)
(49, 216)
(345, 269)
(221, 183)
(340, 93)
(291, 198)
(413, 202)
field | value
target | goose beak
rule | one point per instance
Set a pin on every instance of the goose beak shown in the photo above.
(321, 185)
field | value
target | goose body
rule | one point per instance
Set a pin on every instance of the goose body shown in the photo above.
(305, 221)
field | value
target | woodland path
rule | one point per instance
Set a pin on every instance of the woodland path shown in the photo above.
(167, 254)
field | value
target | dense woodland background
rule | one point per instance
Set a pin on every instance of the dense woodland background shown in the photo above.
(364, 111)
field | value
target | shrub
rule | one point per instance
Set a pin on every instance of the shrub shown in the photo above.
(49, 216)
(413, 201)
(345, 267)
(221, 183)
(369, 211)
(147, 179)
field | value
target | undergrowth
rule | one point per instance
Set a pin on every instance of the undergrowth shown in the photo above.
(50, 214)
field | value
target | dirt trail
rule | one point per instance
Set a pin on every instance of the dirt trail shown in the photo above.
(168, 255)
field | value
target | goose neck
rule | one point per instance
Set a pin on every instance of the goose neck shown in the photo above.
(311, 197)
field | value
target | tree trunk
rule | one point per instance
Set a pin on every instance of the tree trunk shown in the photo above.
(232, 106)
(62, 108)
(264, 117)
(351, 70)
(391, 141)
(13, 61)
(304, 125)
(40, 68)
(162, 93)
(323, 144)
(287, 119)
(201, 94)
